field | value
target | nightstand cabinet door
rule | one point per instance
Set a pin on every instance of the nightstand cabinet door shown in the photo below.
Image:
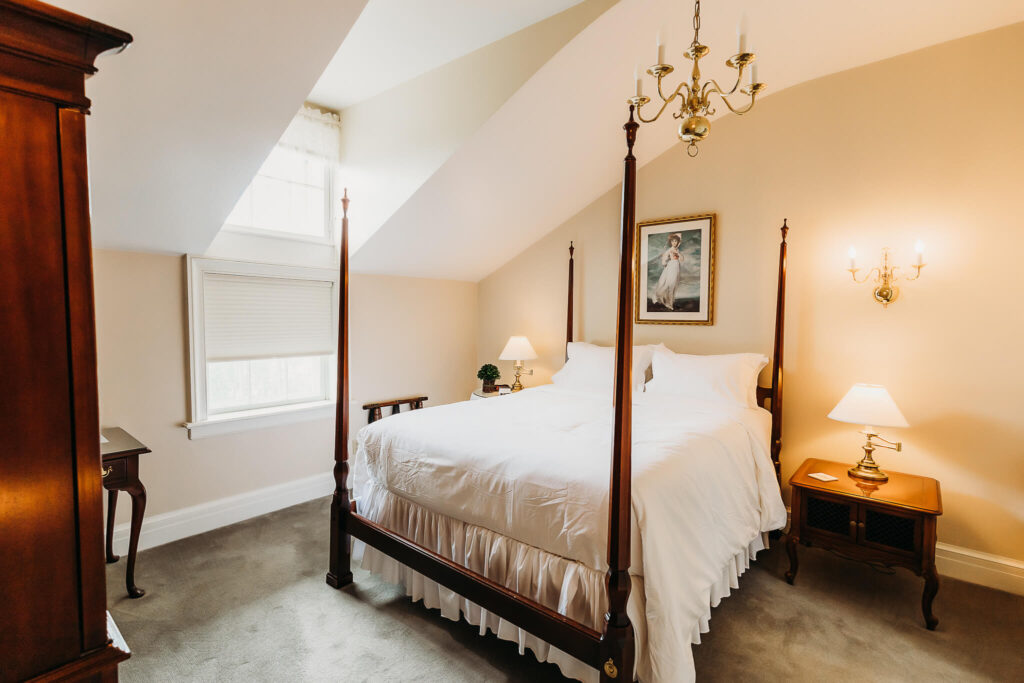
(828, 517)
(889, 530)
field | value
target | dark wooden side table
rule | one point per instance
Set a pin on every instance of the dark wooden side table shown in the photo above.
(121, 473)
(892, 523)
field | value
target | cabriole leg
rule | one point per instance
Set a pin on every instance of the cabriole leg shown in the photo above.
(794, 562)
(138, 493)
(111, 508)
(931, 588)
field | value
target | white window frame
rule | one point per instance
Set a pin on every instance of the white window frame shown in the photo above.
(327, 238)
(203, 424)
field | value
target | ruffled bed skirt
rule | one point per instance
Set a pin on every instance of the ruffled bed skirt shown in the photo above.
(571, 588)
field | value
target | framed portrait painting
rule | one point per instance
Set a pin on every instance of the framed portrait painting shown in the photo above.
(674, 271)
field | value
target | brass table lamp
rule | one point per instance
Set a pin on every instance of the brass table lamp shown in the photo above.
(872, 406)
(518, 349)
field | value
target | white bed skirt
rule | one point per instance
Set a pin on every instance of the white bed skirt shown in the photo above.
(567, 586)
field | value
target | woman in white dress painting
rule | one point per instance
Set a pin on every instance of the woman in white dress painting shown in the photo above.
(671, 264)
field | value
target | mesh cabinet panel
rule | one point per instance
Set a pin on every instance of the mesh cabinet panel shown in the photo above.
(890, 530)
(828, 516)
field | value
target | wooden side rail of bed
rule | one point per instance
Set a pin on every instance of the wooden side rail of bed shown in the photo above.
(610, 650)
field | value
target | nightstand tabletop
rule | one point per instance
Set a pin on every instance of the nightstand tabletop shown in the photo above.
(120, 443)
(902, 490)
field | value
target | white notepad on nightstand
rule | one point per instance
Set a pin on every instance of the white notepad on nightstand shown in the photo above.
(821, 476)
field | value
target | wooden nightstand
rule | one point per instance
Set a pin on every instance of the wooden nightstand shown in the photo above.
(121, 473)
(891, 523)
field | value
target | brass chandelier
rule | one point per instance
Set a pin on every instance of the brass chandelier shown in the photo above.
(695, 98)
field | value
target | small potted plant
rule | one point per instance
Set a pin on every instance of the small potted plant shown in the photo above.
(489, 374)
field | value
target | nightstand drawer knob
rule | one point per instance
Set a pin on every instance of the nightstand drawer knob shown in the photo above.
(860, 524)
(853, 522)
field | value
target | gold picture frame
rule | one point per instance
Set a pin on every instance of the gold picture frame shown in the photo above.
(674, 271)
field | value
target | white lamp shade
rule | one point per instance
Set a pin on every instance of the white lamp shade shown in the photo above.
(869, 405)
(518, 348)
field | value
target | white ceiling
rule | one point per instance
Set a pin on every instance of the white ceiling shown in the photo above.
(556, 145)
(182, 120)
(394, 41)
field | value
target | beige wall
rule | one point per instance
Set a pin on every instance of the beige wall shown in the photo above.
(878, 156)
(392, 143)
(408, 336)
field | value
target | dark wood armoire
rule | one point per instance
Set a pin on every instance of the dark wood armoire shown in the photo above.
(53, 619)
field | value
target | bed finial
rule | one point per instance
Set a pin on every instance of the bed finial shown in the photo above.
(630, 127)
(571, 248)
(344, 204)
(784, 229)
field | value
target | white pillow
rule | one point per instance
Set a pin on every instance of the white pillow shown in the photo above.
(731, 377)
(592, 368)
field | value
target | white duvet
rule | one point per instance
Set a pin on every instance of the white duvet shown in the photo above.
(534, 466)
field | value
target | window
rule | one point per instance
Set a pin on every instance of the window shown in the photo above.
(293, 193)
(263, 341)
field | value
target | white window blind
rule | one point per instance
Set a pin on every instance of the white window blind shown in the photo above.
(266, 317)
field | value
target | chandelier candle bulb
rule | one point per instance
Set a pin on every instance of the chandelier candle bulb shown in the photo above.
(661, 50)
(919, 248)
(853, 258)
(741, 41)
(639, 81)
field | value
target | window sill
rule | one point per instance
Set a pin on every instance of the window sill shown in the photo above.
(260, 419)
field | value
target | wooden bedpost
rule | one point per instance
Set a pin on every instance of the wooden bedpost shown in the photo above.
(617, 638)
(780, 324)
(340, 572)
(568, 310)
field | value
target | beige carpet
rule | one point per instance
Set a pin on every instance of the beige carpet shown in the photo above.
(249, 603)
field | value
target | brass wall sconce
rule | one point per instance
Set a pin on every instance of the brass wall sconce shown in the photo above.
(886, 275)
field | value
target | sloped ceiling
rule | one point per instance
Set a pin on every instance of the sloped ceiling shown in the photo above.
(394, 41)
(557, 143)
(182, 120)
(393, 142)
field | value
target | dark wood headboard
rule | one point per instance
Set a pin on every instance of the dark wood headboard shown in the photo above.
(770, 398)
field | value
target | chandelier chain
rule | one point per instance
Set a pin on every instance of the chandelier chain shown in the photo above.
(696, 22)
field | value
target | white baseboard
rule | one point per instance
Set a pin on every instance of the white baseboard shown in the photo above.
(178, 524)
(994, 571)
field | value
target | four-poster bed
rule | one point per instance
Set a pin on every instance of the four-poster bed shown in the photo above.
(611, 649)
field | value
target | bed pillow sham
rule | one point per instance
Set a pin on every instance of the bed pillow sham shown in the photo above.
(730, 378)
(592, 368)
